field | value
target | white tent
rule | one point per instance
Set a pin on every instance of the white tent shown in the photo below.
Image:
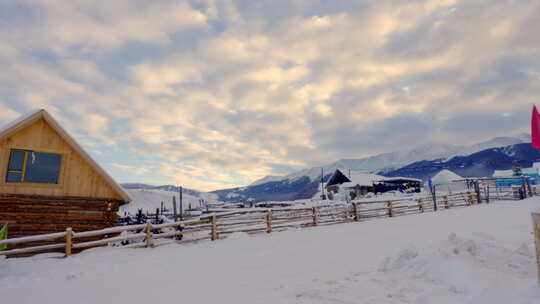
(444, 177)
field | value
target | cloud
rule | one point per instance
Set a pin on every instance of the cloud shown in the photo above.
(129, 169)
(78, 25)
(212, 94)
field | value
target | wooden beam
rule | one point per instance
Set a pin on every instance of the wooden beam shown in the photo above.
(355, 211)
(69, 241)
(389, 206)
(269, 221)
(214, 228)
(536, 228)
(148, 237)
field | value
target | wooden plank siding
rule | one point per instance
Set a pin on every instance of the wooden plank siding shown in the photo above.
(35, 214)
(77, 178)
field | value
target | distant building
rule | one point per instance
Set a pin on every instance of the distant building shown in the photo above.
(507, 177)
(355, 185)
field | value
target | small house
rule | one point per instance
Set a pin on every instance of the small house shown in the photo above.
(356, 184)
(48, 182)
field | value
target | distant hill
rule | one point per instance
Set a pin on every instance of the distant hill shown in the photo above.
(478, 164)
(282, 190)
(423, 162)
(305, 183)
(170, 188)
(148, 197)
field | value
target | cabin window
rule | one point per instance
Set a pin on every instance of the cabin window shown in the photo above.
(27, 166)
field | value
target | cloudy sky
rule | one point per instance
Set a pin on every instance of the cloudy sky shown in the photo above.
(211, 94)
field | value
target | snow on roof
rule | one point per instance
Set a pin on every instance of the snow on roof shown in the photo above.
(532, 170)
(445, 176)
(348, 185)
(510, 173)
(503, 173)
(363, 179)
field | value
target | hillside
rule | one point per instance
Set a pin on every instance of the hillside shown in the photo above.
(148, 198)
(479, 164)
(442, 257)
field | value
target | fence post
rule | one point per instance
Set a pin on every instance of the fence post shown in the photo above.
(314, 212)
(69, 241)
(269, 221)
(434, 196)
(355, 211)
(469, 198)
(529, 189)
(420, 206)
(446, 205)
(214, 228)
(536, 228)
(390, 210)
(148, 235)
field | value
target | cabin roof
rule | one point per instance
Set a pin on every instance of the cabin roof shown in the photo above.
(356, 178)
(28, 119)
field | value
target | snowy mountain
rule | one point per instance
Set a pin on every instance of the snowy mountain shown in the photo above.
(420, 162)
(393, 160)
(479, 164)
(303, 184)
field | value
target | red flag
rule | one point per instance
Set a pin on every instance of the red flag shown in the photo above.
(535, 129)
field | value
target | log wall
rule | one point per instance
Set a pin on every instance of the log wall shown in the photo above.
(32, 215)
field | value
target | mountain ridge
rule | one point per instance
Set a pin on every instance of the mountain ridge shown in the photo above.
(304, 183)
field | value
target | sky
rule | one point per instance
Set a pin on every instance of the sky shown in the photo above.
(213, 94)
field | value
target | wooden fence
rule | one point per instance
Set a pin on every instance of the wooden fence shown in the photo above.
(218, 226)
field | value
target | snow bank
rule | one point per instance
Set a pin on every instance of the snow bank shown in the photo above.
(480, 254)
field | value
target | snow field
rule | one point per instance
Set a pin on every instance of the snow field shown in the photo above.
(480, 254)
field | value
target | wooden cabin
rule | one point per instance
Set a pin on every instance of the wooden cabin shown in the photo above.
(48, 182)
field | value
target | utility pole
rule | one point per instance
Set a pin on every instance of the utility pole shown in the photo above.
(181, 209)
(322, 184)
(174, 208)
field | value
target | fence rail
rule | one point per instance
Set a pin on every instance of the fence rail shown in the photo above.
(254, 220)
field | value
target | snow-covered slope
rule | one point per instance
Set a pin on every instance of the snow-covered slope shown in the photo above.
(442, 257)
(266, 179)
(150, 199)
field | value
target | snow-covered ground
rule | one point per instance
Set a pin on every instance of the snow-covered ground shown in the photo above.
(479, 254)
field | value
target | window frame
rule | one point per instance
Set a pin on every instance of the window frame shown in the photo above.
(27, 151)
